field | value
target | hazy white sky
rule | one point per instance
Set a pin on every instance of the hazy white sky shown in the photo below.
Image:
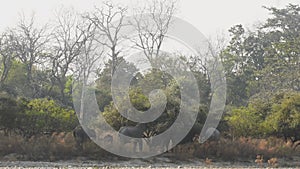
(209, 16)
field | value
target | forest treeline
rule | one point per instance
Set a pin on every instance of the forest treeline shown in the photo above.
(40, 64)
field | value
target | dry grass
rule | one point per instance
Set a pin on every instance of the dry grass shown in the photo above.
(273, 162)
(239, 149)
(61, 146)
(58, 146)
(259, 160)
(208, 161)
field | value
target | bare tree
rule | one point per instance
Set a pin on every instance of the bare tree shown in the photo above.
(209, 63)
(29, 46)
(109, 22)
(91, 53)
(152, 24)
(68, 41)
(205, 57)
(7, 55)
(87, 65)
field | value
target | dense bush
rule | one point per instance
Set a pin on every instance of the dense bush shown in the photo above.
(8, 113)
(38, 116)
(277, 116)
(46, 116)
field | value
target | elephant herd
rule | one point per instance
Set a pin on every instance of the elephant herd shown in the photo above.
(133, 134)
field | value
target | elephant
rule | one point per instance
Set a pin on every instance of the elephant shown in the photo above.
(190, 137)
(135, 132)
(211, 134)
(164, 142)
(81, 136)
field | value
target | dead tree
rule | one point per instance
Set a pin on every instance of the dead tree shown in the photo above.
(152, 23)
(109, 22)
(28, 43)
(68, 40)
(7, 55)
(87, 65)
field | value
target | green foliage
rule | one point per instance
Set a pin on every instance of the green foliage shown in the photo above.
(16, 82)
(103, 83)
(138, 95)
(235, 60)
(264, 60)
(138, 100)
(45, 115)
(68, 86)
(17, 85)
(8, 113)
(278, 116)
(155, 79)
(244, 121)
(113, 117)
(284, 119)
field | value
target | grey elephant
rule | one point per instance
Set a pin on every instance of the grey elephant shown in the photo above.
(135, 133)
(81, 136)
(211, 134)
